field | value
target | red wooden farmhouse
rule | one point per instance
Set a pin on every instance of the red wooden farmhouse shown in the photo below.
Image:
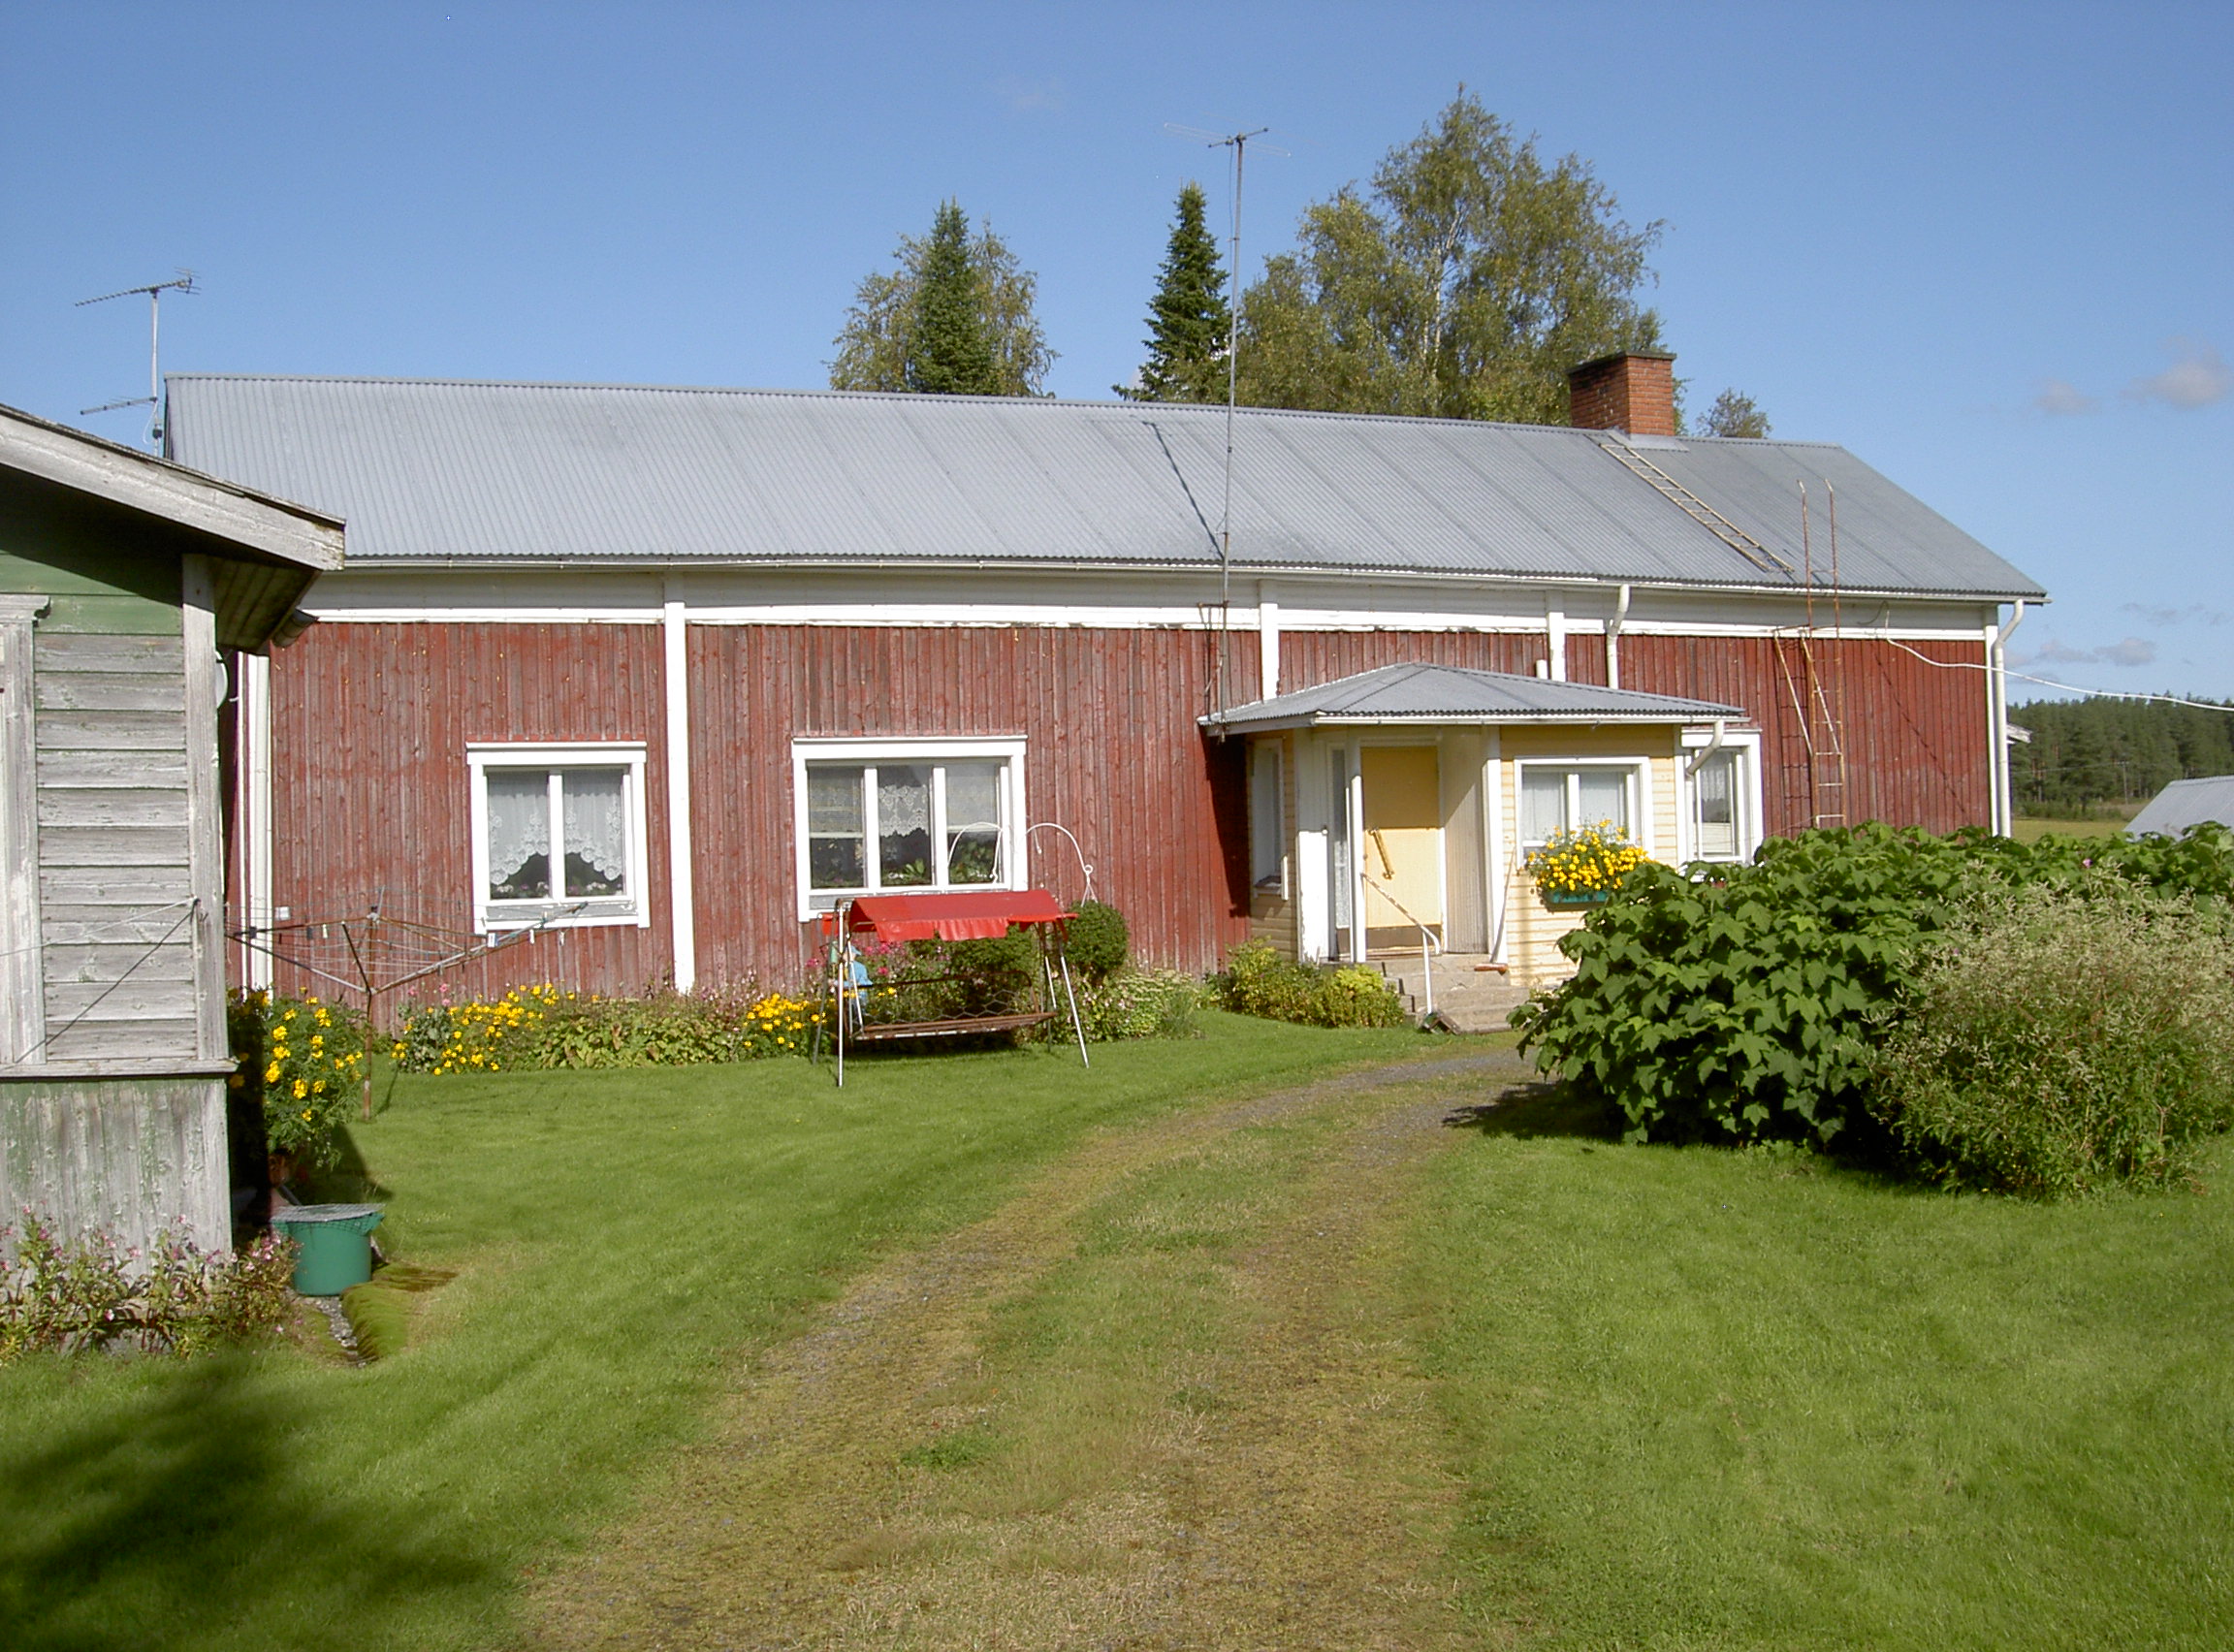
(667, 672)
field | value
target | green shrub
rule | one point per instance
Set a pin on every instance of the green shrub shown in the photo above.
(1259, 981)
(1743, 1003)
(2062, 1041)
(302, 1063)
(1096, 940)
(1147, 1004)
(68, 1296)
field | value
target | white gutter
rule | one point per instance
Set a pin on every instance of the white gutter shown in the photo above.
(681, 895)
(1614, 639)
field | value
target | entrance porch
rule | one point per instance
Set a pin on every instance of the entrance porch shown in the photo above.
(1391, 813)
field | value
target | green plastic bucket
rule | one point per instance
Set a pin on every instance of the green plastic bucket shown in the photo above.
(336, 1245)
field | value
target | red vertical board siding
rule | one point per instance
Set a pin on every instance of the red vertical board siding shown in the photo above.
(372, 790)
(1308, 658)
(1914, 732)
(372, 723)
(1112, 753)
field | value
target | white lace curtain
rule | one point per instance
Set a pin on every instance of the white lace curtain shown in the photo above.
(594, 820)
(593, 823)
(519, 825)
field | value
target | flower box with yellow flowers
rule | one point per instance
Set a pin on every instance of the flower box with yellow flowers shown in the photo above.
(1584, 865)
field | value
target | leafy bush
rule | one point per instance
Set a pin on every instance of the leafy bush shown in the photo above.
(1097, 941)
(65, 1296)
(543, 1027)
(1259, 981)
(2062, 1041)
(1744, 1001)
(1146, 1003)
(303, 1063)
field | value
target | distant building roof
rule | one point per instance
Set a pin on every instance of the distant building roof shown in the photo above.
(2183, 803)
(1459, 694)
(430, 470)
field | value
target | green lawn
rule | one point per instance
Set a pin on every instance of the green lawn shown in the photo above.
(1707, 1398)
(619, 1238)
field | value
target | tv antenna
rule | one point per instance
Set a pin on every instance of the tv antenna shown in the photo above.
(1238, 142)
(183, 282)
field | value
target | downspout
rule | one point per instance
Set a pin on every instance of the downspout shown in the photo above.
(2004, 789)
(1721, 737)
(1614, 639)
(681, 901)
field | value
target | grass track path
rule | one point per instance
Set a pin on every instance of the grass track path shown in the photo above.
(1308, 1504)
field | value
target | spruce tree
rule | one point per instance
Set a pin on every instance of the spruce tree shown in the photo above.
(906, 332)
(950, 353)
(1189, 322)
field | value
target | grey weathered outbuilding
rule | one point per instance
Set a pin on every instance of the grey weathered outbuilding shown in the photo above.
(124, 580)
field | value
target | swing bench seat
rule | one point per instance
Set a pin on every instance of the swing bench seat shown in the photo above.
(955, 1027)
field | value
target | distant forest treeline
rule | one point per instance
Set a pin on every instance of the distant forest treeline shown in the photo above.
(2093, 751)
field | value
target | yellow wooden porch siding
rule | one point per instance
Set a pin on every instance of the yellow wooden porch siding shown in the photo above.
(1532, 929)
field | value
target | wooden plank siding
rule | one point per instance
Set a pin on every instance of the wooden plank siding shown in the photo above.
(1915, 734)
(374, 797)
(372, 720)
(1112, 753)
(113, 847)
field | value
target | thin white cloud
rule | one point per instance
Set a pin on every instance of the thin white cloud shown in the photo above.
(2059, 397)
(2196, 378)
(2173, 616)
(1025, 97)
(2128, 652)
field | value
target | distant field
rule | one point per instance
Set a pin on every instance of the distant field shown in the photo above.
(2030, 829)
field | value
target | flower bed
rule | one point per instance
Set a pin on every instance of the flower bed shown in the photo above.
(544, 1027)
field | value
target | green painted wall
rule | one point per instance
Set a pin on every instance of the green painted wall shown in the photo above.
(96, 586)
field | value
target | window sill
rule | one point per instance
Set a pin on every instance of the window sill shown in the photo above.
(563, 915)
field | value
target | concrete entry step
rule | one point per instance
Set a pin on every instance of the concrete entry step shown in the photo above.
(1468, 997)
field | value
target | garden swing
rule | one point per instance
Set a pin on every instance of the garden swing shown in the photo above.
(889, 920)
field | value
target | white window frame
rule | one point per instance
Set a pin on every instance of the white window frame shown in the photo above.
(1745, 744)
(633, 907)
(1636, 774)
(1006, 750)
(1268, 832)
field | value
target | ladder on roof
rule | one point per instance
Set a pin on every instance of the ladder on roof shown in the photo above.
(1700, 512)
(1822, 757)
(1820, 729)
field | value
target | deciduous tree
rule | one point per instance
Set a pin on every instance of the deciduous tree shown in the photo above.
(954, 318)
(1462, 283)
(1734, 415)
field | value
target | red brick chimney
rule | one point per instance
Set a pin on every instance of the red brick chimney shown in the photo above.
(1631, 389)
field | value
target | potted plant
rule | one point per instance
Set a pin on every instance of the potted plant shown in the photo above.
(1582, 866)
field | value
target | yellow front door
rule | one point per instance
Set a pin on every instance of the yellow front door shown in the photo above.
(1402, 854)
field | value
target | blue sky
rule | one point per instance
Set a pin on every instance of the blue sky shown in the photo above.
(1987, 247)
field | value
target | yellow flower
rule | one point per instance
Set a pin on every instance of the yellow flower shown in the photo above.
(301, 1090)
(271, 1073)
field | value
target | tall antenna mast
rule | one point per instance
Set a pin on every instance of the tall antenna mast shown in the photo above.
(183, 282)
(1238, 142)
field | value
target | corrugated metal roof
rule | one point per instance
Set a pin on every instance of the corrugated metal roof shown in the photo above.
(2183, 803)
(442, 470)
(1459, 694)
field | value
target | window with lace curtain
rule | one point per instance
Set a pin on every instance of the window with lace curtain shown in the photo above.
(888, 816)
(559, 835)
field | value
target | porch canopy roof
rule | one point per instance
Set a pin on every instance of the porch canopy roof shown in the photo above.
(1458, 694)
(978, 915)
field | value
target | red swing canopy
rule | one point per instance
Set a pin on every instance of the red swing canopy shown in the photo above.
(978, 915)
